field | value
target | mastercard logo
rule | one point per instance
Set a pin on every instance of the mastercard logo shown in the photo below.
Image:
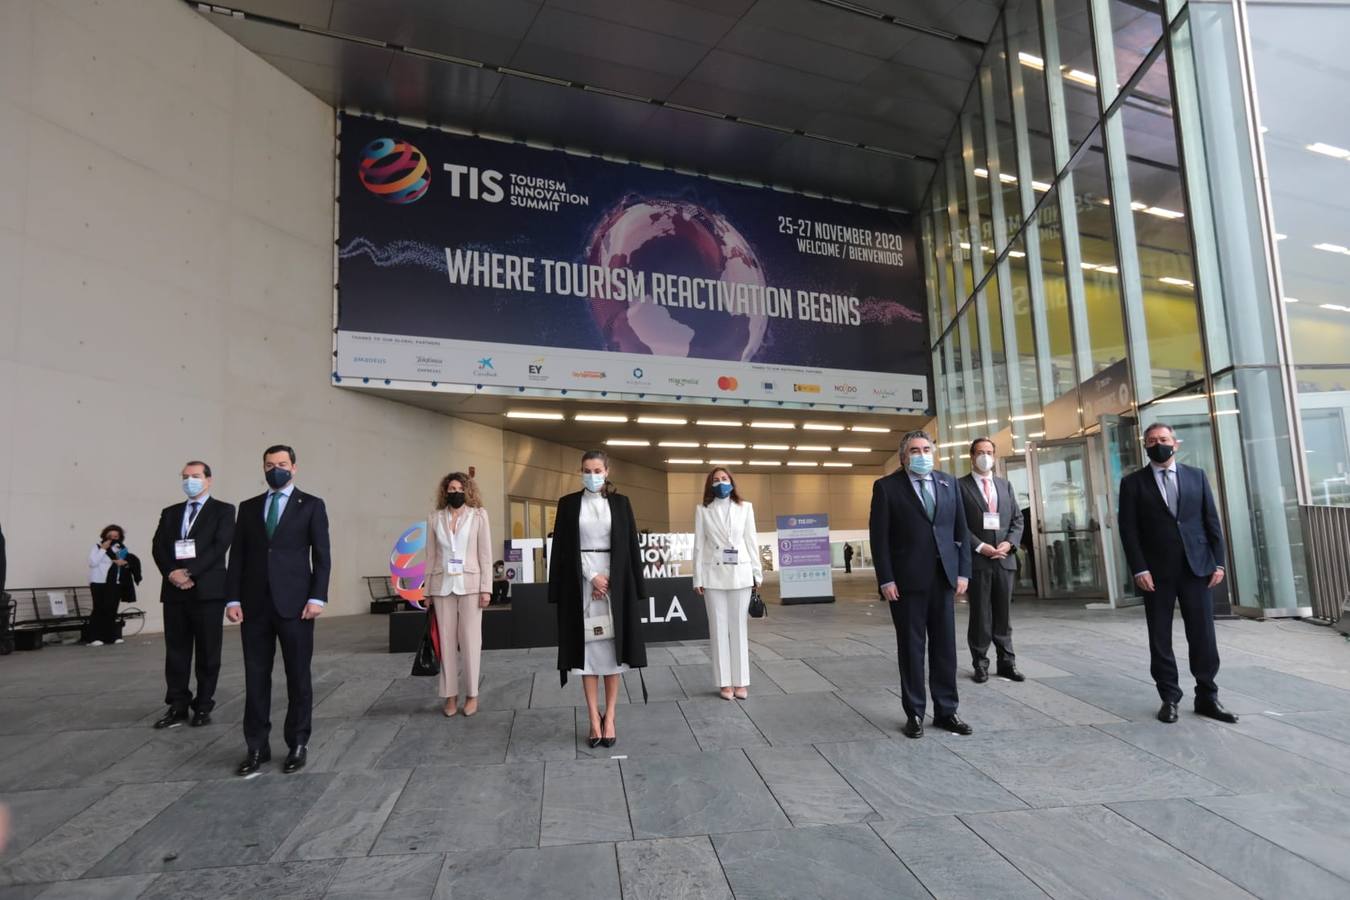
(727, 383)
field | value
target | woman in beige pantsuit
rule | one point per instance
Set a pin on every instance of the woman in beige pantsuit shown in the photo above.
(459, 583)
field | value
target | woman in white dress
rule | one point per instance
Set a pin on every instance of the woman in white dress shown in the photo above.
(726, 568)
(459, 584)
(595, 578)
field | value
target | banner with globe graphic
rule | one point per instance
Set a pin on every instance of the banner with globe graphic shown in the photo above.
(478, 262)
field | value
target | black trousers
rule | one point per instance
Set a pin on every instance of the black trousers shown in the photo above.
(261, 631)
(990, 596)
(103, 624)
(1197, 614)
(919, 616)
(192, 626)
(848, 565)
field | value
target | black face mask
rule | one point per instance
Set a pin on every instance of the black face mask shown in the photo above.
(1160, 453)
(278, 478)
(455, 499)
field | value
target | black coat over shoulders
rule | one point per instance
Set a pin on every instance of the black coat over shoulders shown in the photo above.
(627, 591)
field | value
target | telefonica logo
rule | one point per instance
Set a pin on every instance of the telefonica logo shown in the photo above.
(806, 388)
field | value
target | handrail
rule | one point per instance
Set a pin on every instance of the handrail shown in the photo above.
(1326, 531)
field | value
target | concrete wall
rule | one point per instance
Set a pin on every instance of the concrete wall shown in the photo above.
(165, 293)
(544, 470)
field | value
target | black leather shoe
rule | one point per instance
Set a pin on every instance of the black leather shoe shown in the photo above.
(172, 719)
(1213, 709)
(953, 724)
(1167, 712)
(295, 760)
(254, 761)
(981, 675)
(200, 718)
(913, 728)
(1011, 673)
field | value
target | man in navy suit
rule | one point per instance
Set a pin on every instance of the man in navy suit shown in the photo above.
(921, 554)
(1174, 544)
(277, 587)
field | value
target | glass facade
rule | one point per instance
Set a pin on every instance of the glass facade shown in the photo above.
(1144, 215)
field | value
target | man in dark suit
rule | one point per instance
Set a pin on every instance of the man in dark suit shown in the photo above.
(278, 586)
(920, 551)
(995, 524)
(189, 548)
(1174, 544)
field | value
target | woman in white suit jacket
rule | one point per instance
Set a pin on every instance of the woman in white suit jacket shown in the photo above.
(726, 568)
(459, 583)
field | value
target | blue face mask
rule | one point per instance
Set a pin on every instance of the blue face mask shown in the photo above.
(722, 488)
(593, 481)
(277, 478)
(193, 486)
(921, 464)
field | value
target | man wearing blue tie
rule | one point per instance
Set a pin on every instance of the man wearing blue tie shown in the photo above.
(278, 586)
(1169, 526)
(921, 552)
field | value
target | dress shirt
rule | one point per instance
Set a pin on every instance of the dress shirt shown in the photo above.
(283, 497)
(986, 500)
(188, 521)
(1170, 465)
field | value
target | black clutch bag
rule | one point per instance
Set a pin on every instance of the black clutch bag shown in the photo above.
(756, 604)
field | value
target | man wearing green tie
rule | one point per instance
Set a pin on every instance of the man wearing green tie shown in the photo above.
(277, 587)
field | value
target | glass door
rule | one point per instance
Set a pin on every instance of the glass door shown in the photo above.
(1015, 470)
(1068, 546)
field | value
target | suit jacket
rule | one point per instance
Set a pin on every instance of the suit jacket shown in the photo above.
(291, 567)
(213, 529)
(627, 590)
(905, 545)
(1160, 544)
(1009, 521)
(477, 554)
(710, 537)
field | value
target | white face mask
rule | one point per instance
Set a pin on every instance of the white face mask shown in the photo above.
(985, 462)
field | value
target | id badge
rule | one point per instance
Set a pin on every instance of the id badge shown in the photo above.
(185, 549)
(731, 556)
(991, 522)
(454, 567)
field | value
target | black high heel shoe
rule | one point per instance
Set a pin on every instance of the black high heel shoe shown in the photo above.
(609, 742)
(593, 740)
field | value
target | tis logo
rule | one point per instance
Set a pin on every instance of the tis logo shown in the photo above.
(480, 184)
(727, 383)
(394, 171)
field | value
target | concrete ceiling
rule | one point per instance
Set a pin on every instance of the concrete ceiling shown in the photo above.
(851, 100)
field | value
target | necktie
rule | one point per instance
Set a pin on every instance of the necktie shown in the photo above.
(192, 516)
(929, 504)
(1170, 486)
(273, 513)
(988, 496)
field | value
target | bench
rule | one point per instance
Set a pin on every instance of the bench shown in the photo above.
(383, 598)
(31, 617)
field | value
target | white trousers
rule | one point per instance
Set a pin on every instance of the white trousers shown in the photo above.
(729, 634)
(460, 622)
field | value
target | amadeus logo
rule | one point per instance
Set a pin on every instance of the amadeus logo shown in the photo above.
(806, 388)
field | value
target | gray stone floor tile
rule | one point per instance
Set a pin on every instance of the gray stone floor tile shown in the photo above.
(35, 814)
(672, 869)
(1280, 691)
(1226, 756)
(23, 891)
(794, 676)
(857, 673)
(1252, 862)
(915, 779)
(277, 881)
(68, 757)
(547, 733)
(466, 808)
(1288, 735)
(577, 872)
(1089, 852)
(347, 818)
(1040, 696)
(430, 739)
(661, 684)
(953, 862)
(686, 656)
(242, 821)
(1334, 725)
(583, 803)
(720, 724)
(547, 693)
(1311, 823)
(411, 877)
(650, 729)
(808, 788)
(345, 745)
(508, 690)
(804, 649)
(163, 752)
(74, 847)
(825, 862)
(700, 793)
(351, 698)
(1066, 766)
(412, 697)
(879, 706)
(217, 759)
(121, 887)
(697, 682)
(990, 710)
(807, 719)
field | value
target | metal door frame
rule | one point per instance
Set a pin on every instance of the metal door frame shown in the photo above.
(1091, 462)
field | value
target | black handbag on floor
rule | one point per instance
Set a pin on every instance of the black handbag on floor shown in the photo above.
(427, 662)
(756, 604)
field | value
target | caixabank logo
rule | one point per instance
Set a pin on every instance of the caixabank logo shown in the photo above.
(394, 170)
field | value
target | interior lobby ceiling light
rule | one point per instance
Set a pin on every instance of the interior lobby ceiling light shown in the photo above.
(1040, 186)
(1179, 282)
(1109, 270)
(627, 442)
(765, 462)
(1335, 306)
(855, 449)
(1332, 248)
(598, 417)
(800, 463)
(1016, 254)
(716, 446)
(725, 462)
(770, 424)
(1029, 60)
(820, 426)
(1164, 213)
(812, 448)
(837, 465)
(870, 429)
(1028, 417)
(1329, 150)
(685, 462)
(772, 447)
(661, 420)
(720, 423)
(1280, 237)
(1081, 77)
(1291, 300)
(531, 414)
(678, 444)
